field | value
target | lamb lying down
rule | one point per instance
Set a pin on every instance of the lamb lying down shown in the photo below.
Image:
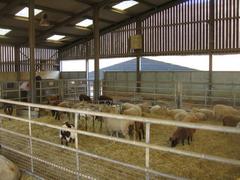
(67, 135)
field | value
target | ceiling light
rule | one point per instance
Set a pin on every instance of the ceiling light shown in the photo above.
(4, 31)
(125, 5)
(56, 37)
(24, 12)
(85, 23)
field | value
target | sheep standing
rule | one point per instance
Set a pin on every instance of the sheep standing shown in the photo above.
(116, 126)
(67, 135)
(220, 111)
(83, 97)
(66, 104)
(231, 121)
(180, 135)
(207, 112)
(135, 110)
(8, 109)
(238, 125)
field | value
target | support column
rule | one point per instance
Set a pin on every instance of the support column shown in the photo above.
(211, 46)
(17, 61)
(96, 52)
(138, 57)
(87, 71)
(32, 47)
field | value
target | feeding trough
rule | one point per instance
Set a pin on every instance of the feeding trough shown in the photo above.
(23, 112)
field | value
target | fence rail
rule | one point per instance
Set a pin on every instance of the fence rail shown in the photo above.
(197, 93)
(76, 171)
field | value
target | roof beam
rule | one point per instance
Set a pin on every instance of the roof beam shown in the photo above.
(85, 2)
(129, 20)
(57, 11)
(9, 7)
(147, 3)
(102, 19)
(66, 21)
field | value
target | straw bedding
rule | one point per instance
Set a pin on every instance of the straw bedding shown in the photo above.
(208, 142)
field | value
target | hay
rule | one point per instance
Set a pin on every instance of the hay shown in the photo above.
(208, 142)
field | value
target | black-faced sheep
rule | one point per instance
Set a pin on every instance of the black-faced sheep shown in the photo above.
(180, 135)
(231, 121)
(85, 98)
(8, 109)
(105, 100)
(67, 135)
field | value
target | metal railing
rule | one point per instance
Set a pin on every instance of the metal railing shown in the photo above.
(73, 169)
(196, 93)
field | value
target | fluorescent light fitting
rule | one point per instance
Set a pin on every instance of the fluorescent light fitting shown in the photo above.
(85, 23)
(4, 31)
(125, 5)
(56, 37)
(24, 12)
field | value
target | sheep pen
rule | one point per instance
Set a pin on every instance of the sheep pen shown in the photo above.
(207, 142)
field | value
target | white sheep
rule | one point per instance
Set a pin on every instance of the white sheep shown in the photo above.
(173, 112)
(158, 110)
(207, 112)
(115, 125)
(238, 125)
(180, 116)
(220, 111)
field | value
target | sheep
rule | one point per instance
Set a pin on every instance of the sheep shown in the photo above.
(180, 116)
(116, 126)
(238, 125)
(200, 116)
(138, 126)
(83, 97)
(145, 107)
(8, 109)
(105, 100)
(66, 104)
(173, 112)
(220, 111)
(158, 110)
(231, 121)
(207, 112)
(180, 135)
(67, 135)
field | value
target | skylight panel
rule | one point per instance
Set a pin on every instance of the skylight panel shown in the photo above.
(56, 37)
(4, 31)
(125, 5)
(24, 12)
(85, 23)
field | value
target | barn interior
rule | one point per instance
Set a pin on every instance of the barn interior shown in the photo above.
(38, 36)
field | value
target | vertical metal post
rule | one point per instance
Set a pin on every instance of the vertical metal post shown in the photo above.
(19, 91)
(32, 47)
(17, 61)
(138, 57)
(96, 51)
(30, 135)
(211, 45)
(147, 139)
(76, 145)
(40, 92)
(178, 95)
